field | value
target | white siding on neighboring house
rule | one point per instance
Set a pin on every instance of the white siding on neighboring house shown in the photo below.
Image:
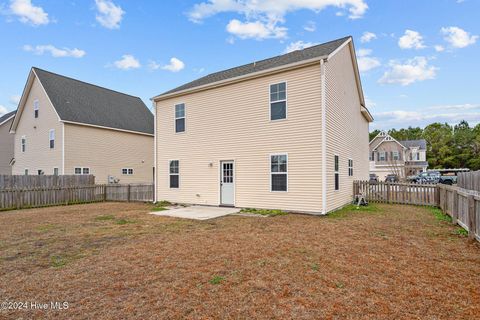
(106, 152)
(7, 141)
(38, 155)
(233, 123)
(347, 129)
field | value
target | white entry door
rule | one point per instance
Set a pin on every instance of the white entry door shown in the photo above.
(227, 186)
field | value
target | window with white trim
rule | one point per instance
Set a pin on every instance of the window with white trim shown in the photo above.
(350, 167)
(127, 171)
(55, 171)
(35, 108)
(180, 117)
(82, 170)
(382, 156)
(26, 172)
(24, 143)
(174, 173)
(278, 101)
(51, 138)
(279, 172)
(337, 173)
(395, 155)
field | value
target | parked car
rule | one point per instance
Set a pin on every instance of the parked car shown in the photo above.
(448, 179)
(391, 178)
(373, 178)
(428, 177)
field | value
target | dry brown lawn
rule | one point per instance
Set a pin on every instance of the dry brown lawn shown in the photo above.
(114, 261)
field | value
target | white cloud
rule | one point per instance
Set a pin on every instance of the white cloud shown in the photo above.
(109, 15)
(256, 30)
(263, 17)
(413, 70)
(370, 103)
(423, 116)
(310, 26)
(439, 48)
(367, 37)
(3, 110)
(411, 40)
(127, 62)
(299, 45)
(365, 61)
(28, 13)
(15, 99)
(458, 38)
(55, 52)
(175, 65)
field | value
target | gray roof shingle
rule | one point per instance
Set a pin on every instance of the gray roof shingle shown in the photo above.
(317, 51)
(6, 116)
(82, 102)
(421, 143)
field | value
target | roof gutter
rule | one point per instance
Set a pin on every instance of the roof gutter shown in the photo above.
(252, 75)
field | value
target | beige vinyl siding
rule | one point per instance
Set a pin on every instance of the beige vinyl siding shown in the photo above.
(347, 129)
(233, 123)
(38, 155)
(106, 152)
(7, 141)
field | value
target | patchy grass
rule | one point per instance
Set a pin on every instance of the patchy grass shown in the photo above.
(163, 203)
(439, 214)
(159, 209)
(379, 262)
(461, 232)
(353, 209)
(264, 212)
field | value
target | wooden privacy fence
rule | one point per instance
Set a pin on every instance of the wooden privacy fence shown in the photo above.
(18, 198)
(469, 180)
(463, 206)
(31, 181)
(403, 193)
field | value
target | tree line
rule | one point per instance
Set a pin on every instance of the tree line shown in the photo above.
(448, 146)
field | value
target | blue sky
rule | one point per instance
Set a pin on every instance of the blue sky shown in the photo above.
(419, 59)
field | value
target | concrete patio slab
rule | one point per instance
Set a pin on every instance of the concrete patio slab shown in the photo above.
(197, 212)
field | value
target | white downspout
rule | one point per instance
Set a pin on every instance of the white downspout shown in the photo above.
(324, 137)
(154, 104)
(63, 148)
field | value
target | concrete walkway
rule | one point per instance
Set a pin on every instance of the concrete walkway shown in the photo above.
(197, 212)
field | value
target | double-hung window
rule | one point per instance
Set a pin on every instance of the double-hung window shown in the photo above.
(174, 173)
(180, 117)
(24, 143)
(51, 137)
(279, 172)
(337, 173)
(395, 155)
(35, 108)
(350, 167)
(278, 101)
(382, 156)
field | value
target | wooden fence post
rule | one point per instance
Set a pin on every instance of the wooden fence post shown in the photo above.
(437, 196)
(472, 225)
(454, 207)
(128, 193)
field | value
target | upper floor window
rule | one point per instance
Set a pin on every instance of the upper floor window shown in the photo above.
(395, 155)
(336, 172)
(279, 172)
(278, 101)
(24, 143)
(35, 108)
(382, 156)
(350, 167)
(180, 117)
(372, 156)
(51, 137)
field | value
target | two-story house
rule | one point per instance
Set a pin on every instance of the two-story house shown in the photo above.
(66, 126)
(403, 158)
(6, 143)
(289, 132)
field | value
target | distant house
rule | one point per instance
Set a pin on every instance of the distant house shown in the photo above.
(66, 126)
(289, 132)
(404, 158)
(6, 143)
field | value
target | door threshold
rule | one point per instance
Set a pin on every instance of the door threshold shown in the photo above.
(227, 206)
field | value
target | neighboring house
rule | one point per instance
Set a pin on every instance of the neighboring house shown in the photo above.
(403, 158)
(6, 143)
(289, 132)
(66, 126)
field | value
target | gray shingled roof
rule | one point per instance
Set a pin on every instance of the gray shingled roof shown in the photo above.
(6, 116)
(86, 103)
(317, 51)
(421, 143)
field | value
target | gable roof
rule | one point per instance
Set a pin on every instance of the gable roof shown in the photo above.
(319, 51)
(6, 117)
(420, 143)
(79, 102)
